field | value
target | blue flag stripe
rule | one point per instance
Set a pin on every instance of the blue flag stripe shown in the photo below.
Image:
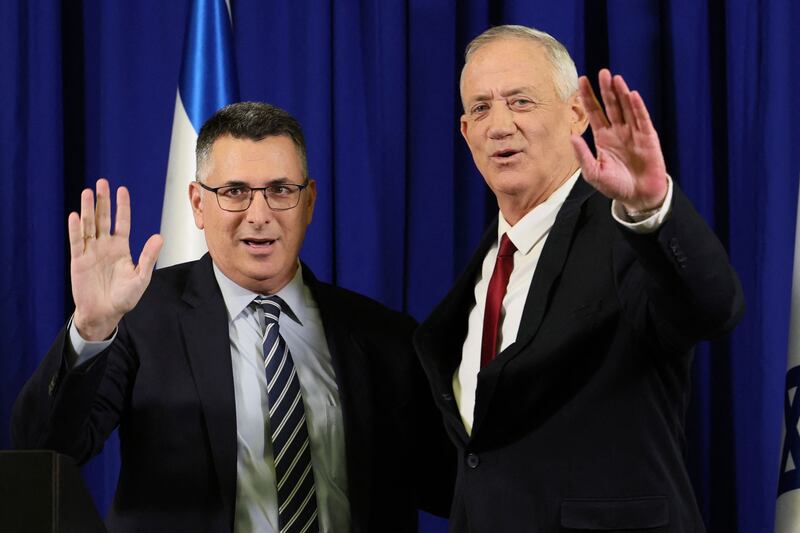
(208, 78)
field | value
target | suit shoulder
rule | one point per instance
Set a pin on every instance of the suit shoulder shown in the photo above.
(365, 309)
(167, 284)
(596, 203)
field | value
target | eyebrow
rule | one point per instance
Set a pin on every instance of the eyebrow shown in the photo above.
(518, 90)
(239, 183)
(234, 183)
(505, 94)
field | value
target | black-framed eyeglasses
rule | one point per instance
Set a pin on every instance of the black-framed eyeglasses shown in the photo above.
(279, 196)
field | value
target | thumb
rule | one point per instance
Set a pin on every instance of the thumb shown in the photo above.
(585, 157)
(148, 257)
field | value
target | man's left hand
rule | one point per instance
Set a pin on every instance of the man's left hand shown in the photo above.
(629, 166)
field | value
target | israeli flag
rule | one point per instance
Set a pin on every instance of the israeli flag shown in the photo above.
(787, 511)
(207, 82)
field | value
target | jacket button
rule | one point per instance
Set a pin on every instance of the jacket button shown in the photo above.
(473, 460)
(51, 387)
(446, 396)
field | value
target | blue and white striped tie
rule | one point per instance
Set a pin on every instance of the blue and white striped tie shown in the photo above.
(294, 475)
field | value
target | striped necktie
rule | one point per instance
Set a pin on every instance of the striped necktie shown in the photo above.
(294, 475)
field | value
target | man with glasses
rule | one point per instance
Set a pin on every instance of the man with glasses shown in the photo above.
(249, 395)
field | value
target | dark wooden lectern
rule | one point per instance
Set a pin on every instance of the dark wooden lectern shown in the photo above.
(42, 491)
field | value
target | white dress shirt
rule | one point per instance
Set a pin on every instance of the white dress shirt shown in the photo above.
(302, 329)
(529, 235)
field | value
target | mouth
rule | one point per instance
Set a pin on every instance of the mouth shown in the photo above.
(504, 156)
(258, 244)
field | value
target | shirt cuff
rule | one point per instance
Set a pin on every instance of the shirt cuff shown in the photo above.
(83, 350)
(650, 224)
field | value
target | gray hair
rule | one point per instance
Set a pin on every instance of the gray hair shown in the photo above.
(249, 120)
(565, 75)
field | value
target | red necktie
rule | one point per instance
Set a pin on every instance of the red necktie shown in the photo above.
(494, 298)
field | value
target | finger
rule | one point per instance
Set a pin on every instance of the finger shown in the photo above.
(148, 257)
(590, 169)
(75, 235)
(585, 157)
(597, 118)
(640, 113)
(610, 98)
(122, 224)
(103, 214)
(623, 97)
(88, 229)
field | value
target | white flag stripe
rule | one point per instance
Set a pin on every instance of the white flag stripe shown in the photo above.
(794, 320)
(787, 513)
(787, 508)
(182, 240)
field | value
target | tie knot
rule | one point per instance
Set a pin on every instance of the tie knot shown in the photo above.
(272, 306)
(506, 246)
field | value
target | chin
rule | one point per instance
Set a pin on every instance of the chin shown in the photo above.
(263, 274)
(508, 186)
(272, 275)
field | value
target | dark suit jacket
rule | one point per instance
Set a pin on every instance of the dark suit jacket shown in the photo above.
(579, 423)
(167, 383)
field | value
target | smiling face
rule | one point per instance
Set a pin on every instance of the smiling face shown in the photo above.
(256, 248)
(517, 127)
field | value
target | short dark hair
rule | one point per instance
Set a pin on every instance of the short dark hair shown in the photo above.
(249, 120)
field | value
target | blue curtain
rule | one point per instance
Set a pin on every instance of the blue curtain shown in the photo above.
(88, 90)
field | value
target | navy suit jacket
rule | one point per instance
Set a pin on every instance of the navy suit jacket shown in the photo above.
(579, 424)
(167, 383)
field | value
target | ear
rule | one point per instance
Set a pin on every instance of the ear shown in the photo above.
(310, 200)
(579, 118)
(196, 200)
(465, 128)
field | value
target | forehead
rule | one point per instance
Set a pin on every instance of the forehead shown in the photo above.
(270, 157)
(506, 64)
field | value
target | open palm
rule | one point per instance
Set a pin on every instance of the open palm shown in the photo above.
(105, 282)
(629, 166)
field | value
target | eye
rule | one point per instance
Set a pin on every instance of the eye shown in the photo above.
(234, 191)
(479, 108)
(521, 103)
(279, 190)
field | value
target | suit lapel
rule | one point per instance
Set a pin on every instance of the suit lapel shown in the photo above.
(548, 270)
(551, 263)
(356, 393)
(205, 329)
(440, 338)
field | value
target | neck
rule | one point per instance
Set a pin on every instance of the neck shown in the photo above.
(514, 207)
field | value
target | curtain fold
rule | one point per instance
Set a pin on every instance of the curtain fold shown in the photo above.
(32, 217)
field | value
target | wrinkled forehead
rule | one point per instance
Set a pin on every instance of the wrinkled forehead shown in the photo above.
(503, 65)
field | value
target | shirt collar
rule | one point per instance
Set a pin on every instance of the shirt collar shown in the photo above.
(237, 298)
(537, 222)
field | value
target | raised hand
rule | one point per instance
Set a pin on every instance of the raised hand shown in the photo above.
(629, 166)
(105, 282)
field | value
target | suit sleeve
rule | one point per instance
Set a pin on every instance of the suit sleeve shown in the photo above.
(679, 278)
(434, 456)
(73, 411)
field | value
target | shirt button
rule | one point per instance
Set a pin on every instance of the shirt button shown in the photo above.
(473, 460)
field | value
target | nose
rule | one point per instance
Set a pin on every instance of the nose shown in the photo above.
(501, 122)
(259, 211)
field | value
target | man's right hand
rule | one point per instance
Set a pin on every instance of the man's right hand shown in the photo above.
(105, 282)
